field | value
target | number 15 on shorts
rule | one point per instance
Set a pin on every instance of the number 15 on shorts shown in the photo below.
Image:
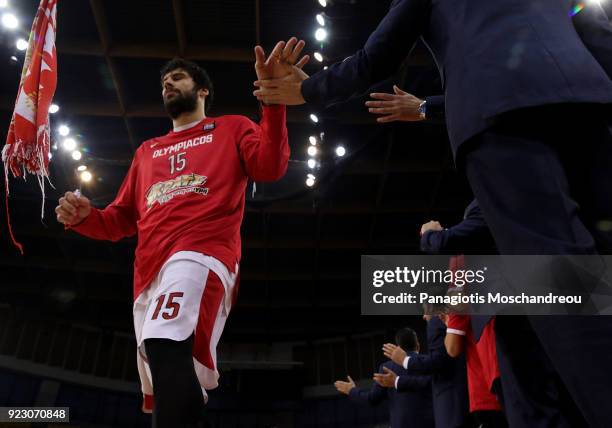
(167, 306)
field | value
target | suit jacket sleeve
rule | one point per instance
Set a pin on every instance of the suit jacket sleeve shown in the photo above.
(381, 56)
(595, 30)
(374, 396)
(472, 234)
(436, 109)
(436, 361)
(410, 382)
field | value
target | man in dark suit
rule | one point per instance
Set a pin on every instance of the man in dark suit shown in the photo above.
(518, 76)
(407, 409)
(449, 375)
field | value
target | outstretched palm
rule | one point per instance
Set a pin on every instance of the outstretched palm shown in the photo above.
(281, 60)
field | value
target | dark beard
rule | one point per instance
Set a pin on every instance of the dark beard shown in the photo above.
(181, 103)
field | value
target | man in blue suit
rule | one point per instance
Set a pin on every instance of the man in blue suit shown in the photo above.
(449, 375)
(410, 408)
(518, 75)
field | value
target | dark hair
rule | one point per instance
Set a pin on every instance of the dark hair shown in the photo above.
(197, 73)
(407, 339)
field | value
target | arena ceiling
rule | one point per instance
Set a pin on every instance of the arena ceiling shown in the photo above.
(301, 246)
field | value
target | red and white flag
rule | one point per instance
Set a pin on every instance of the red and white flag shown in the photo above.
(29, 138)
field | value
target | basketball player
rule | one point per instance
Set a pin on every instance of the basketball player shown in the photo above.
(184, 198)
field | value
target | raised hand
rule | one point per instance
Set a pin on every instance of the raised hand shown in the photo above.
(431, 225)
(394, 353)
(72, 209)
(386, 380)
(345, 387)
(282, 59)
(400, 106)
(287, 90)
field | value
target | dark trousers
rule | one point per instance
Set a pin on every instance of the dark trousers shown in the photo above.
(543, 179)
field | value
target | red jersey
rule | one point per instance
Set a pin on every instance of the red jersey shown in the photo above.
(481, 358)
(185, 191)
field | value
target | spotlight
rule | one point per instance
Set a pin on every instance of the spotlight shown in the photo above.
(323, 3)
(321, 34)
(10, 21)
(3, 3)
(310, 182)
(21, 44)
(14, 58)
(63, 130)
(50, 155)
(86, 176)
(318, 56)
(321, 19)
(313, 140)
(314, 118)
(312, 163)
(312, 151)
(81, 168)
(325, 68)
(76, 155)
(340, 151)
(54, 108)
(69, 144)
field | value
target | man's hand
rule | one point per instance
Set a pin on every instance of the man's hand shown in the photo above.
(386, 380)
(394, 353)
(282, 59)
(431, 225)
(345, 387)
(72, 210)
(287, 90)
(399, 106)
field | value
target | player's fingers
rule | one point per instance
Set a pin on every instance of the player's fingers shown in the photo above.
(260, 56)
(65, 214)
(276, 52)
(295, 53)
(302, 62)
(71, 198)
(68, 207)
(288, 49)
(270, 83)
(382, 96)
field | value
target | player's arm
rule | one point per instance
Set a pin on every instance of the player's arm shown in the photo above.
(116, 221)
(264, 148)
(456, 331)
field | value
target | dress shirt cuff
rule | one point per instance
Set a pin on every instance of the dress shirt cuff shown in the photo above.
(405, 363)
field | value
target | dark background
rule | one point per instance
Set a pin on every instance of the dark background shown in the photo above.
(66, 306)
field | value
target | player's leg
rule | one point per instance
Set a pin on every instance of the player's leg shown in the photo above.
(178, 396)
(166, 340)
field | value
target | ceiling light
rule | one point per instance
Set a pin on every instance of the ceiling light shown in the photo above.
(312, 151)
(63, 130)
(321, 34)
(314, 118)
(76, 155)
(312, 163)
(86, 176)
(21, 44)
(318, 56)
(81, 168)
(10, 21)
(69, 144)
(321, 19)
(340, 151)
(54, 108)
